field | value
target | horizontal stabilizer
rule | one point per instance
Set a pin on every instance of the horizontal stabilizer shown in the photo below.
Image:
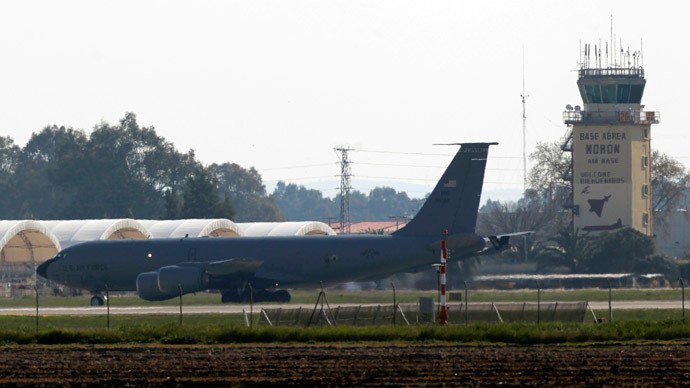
(502, 241)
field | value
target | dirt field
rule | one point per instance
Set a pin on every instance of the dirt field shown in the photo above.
(345, 365)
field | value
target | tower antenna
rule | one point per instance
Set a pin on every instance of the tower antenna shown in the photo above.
(524, 126)
(345, 186)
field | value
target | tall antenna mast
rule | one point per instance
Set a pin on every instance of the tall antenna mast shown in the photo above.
(524, 126)
(345, 186)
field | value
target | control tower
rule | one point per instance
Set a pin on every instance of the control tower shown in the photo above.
(610, 143)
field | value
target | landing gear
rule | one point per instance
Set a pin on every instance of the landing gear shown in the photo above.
(98, 300)
(235, 296)
(281, 296)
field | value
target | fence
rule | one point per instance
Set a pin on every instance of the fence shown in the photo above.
(409, 313)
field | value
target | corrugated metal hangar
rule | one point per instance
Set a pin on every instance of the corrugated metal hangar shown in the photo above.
(29, 242)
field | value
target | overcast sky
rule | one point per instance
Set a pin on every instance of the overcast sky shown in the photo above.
(279, 84)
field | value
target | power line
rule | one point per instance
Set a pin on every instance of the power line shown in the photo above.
(290, 167)
(301, 178)
(430, 154)
(420, 166)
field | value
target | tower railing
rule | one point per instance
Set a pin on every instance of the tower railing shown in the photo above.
(624, 116)
(611, 72)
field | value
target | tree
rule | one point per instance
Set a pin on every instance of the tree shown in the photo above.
(244, 188)
(620, 251)
(385, 202)
(9, 158)
(122, 169)
(546, 177)
(570, 249)
(201, 197)
(172, 205)
(670, 181)
(297, 203)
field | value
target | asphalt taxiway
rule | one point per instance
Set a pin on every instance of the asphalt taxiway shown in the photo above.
(238, 308)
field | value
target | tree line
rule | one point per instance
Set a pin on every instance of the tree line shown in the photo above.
(127, 170)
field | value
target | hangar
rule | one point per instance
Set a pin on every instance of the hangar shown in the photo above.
(221, 227)
(23, 245)
(26, 242)
(303, 228)
(70, 232)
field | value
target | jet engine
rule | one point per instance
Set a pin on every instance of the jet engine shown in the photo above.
(147, 287)
(164, 284)
(191, 279)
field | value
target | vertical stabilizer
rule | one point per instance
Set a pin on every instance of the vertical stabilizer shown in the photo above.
(454, 202)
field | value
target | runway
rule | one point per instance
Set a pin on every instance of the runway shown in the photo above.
(237, 308)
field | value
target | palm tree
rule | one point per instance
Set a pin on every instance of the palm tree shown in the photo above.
(571, 249)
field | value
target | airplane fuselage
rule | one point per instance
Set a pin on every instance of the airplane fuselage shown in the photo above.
(291, 261)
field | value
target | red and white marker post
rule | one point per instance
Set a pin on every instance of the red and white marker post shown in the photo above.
(443, 314)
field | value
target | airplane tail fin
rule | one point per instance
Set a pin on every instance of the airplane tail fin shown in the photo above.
(454, 202)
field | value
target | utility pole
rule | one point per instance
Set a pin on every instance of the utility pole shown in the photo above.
(345, 186)
(524, 140)
(397, 220)
(524, 126)
(330, 220)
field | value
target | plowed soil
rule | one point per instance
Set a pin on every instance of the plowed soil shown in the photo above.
(345, 365)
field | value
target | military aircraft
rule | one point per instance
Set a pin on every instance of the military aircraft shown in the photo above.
(160, 269)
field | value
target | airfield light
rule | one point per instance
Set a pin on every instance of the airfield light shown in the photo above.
(150, 255)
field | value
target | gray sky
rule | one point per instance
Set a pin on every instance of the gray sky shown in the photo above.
(276, 84)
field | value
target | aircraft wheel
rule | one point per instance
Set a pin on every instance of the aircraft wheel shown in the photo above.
(97, 300)
(281, 296)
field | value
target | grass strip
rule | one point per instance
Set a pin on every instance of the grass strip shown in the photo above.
(520, 334)
(383, 297)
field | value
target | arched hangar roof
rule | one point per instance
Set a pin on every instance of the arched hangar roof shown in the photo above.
(26, 241)
(221, 227)
(70, 232)
(300, 228)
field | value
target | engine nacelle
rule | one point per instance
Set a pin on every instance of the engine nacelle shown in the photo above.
(147, 287)
(191, 279)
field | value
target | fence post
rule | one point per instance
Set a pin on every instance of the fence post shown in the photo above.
(610, 309)
(36, 290)
(394, 304)
(682, 285)
(251, 304)
(538, 303)
(107, 306)
(467, 306)
(179, 287)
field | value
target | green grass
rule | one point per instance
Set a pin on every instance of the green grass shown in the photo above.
(341, 296)
(521, 334)
(28, 323)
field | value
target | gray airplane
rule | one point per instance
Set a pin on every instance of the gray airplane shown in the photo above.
(160, 269)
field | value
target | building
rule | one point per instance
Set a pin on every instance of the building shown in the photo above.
(610, 142)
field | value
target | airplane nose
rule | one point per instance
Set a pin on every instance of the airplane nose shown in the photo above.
(43, 268)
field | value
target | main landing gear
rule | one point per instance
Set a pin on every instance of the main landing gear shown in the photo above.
(237, 296)
(98, 300)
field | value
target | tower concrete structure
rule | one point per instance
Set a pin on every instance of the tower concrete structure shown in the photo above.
(610, 142)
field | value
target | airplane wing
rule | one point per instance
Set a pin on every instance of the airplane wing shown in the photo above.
(228, 267)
